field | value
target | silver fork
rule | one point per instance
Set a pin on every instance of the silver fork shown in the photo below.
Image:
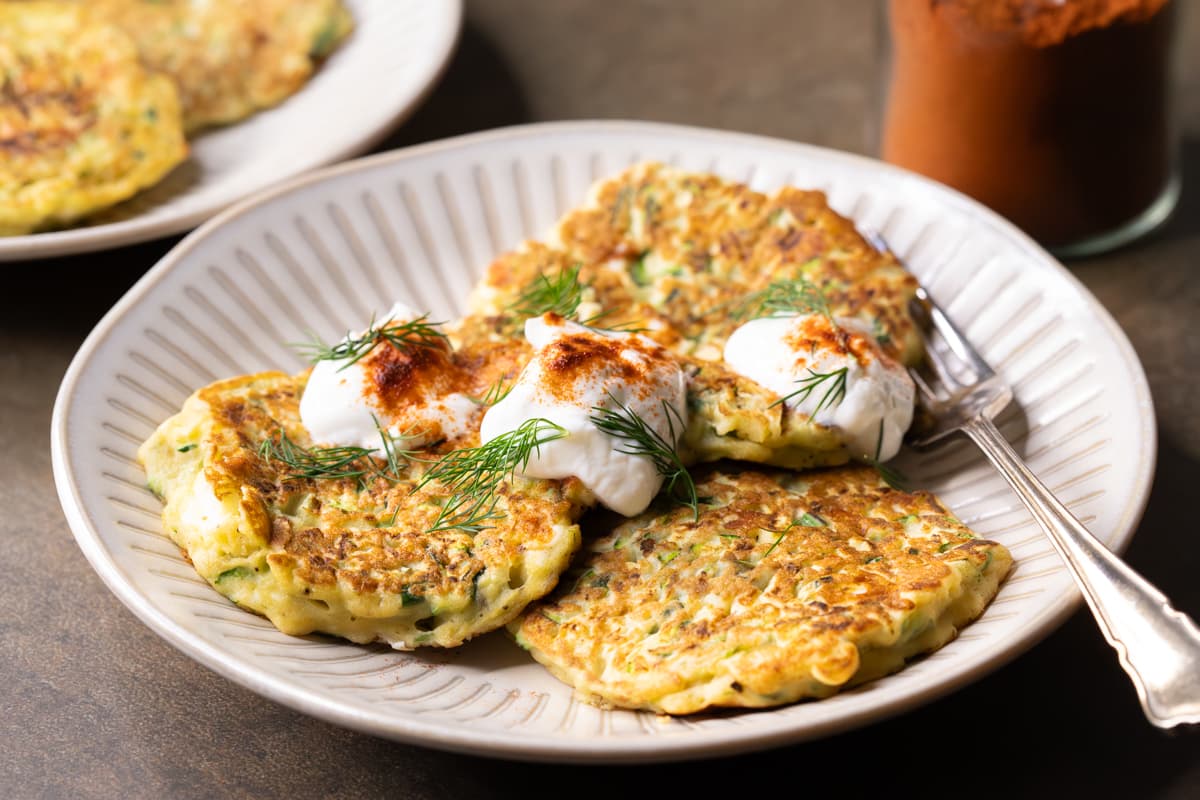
(1158, 646)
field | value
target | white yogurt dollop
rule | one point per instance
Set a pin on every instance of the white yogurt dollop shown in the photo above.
(574, 370)
(831, 371)
(342, 404)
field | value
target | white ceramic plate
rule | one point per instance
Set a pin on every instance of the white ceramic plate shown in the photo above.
(419, 225)
(371, 82)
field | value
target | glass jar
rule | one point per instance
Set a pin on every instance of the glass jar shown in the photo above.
(1055, 113)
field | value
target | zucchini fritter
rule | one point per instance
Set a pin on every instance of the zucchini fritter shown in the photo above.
(684, 255)
(83, 125)
(230, 58)
(683, 251)
(352, 556)
(787, 587)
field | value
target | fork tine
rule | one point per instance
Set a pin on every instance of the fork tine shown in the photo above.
(956, 385)
(875, 239)
(944, 372)
(924, 388)
(947, 369)
(968, 361)
(954, 338)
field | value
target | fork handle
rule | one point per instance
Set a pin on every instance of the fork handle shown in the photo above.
(1158, 646)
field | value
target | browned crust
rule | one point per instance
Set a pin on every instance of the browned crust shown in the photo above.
(749, 594)
(722, 241)
(369, 535)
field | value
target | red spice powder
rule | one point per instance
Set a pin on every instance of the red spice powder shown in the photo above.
(1053, 113)
(1043, 23)
(403, 378)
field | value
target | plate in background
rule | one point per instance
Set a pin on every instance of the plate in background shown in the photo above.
(326, 250)
(373, 80)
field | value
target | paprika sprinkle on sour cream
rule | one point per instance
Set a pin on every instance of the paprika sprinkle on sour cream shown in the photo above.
(1055, 113)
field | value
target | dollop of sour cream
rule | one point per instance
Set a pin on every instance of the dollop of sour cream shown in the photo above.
(866, 395)
(409, 393)
(574, 370)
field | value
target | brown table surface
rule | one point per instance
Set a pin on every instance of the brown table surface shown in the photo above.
(95, 705)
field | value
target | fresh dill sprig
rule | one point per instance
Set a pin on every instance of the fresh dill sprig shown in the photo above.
(778, 539)
(393, 455)
(807, 520)
(495, 393)
(317, 463)
(419, 332)
(786, 297)
(562, 294)
(642, 440)
(559, 294)
(891, 476)
(333, 463)
(474, 474)
(835, 389)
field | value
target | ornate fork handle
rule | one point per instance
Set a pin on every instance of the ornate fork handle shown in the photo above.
(1158, 646)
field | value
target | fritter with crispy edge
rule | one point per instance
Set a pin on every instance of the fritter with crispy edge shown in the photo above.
(352, 556)
(689, 251)
(787, 587)
(688, 257)
(83, 125)
(231, 58)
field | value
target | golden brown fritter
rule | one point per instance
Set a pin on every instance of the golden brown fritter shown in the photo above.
(355, 556)
(83, 125)
(786, 587)
(230, 58)
(662, 247)
(684, 257)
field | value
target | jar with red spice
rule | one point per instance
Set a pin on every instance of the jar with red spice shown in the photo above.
(1055, 113)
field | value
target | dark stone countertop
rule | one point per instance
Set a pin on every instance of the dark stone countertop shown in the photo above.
(97, 706)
